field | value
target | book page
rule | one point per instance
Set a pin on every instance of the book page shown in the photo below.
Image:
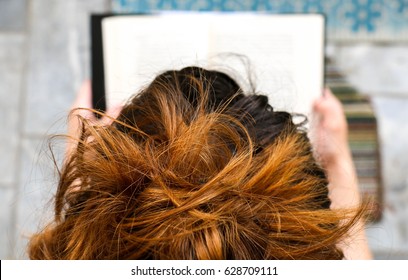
(284, 52)
(138, 48)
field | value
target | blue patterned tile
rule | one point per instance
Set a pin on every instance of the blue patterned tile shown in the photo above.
(287, 7)
(402, 6)
(364, 15)
(313, 6)
(346, 19)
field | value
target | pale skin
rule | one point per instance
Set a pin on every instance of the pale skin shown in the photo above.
(332, 150)
(82, 104)
(329, 139)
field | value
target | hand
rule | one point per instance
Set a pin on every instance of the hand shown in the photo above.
(82, 107)
(330, 141)
(330, 131)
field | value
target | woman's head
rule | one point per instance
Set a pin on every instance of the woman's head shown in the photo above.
(193, 168)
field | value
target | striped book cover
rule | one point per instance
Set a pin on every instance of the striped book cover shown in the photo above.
(363, 136)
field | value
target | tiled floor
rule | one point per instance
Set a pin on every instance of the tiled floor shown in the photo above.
(389, 237)
(44, 56)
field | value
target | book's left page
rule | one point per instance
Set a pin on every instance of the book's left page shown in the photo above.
(138, 48)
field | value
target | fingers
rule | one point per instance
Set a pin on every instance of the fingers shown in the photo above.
(327, 103)
(111, 114)
(84, 96)
(83, 101)
(329, 110)
(83, 106)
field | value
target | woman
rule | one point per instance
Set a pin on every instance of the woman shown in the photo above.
(194, 168)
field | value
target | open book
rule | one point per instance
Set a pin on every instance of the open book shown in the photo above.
(282, 54)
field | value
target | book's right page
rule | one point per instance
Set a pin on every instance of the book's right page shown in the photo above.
(284, 55)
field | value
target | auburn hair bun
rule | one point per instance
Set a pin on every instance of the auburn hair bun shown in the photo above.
(193, 168)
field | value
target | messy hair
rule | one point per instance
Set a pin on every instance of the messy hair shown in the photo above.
(193, 168)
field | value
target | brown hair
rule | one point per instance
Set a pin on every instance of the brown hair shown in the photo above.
(193, 169)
